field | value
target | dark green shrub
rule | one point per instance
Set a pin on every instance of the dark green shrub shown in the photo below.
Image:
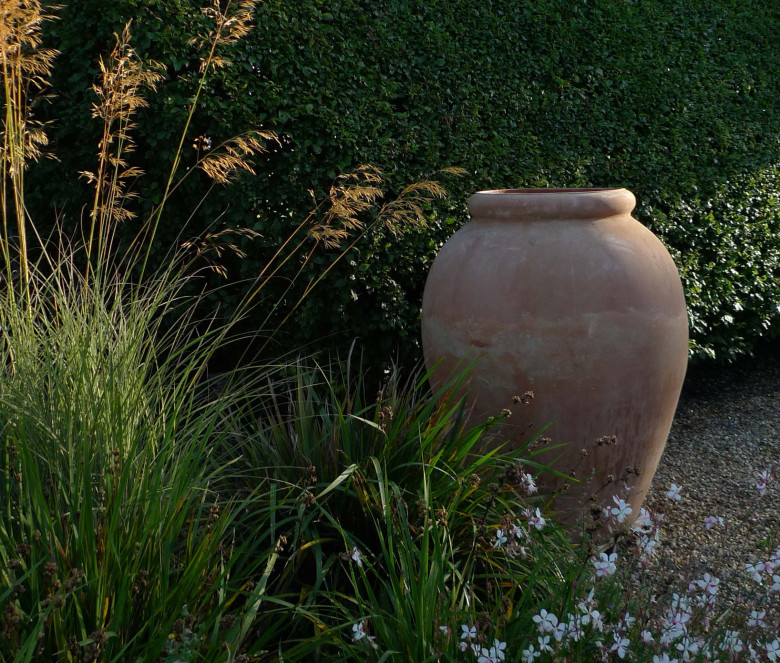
(676, 101)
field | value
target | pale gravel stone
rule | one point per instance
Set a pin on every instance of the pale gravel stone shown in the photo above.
(726, 431)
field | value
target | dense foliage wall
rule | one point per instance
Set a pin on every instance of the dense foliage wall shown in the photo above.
(675, 100)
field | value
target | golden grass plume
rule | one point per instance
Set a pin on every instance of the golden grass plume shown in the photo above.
(354, 193)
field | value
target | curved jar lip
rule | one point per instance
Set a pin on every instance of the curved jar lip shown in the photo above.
(551, 204)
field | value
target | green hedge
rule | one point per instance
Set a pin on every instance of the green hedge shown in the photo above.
(677, 101)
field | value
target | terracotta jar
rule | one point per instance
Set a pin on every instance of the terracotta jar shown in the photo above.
(560, 292)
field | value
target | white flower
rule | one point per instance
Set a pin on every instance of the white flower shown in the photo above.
(643, 521)
(596, 620)
(545, 621)
(688, 648)
(757, 618)
(468, 632)
(529, 484)
(709, 584)
(776, 586)
(587, 603)
(628, 621)
(517, 531)
(621, 510)
(560, 630)
(575, 631)
(487, 656)
(500, 538)
(682, 605)
(711, 521)
(356, 556)
(647, 637)
(620, 645)
(648, 545)
(446, 630)
(358, 631)
(605, 566)
(535, 520)
(664, 658)
(674, 492)
(773, 650)
(499, 648)
(731, 642)
(755, 570)
(530, 654)
(544, 643)
(464, 645)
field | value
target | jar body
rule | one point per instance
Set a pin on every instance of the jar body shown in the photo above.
(564, 294)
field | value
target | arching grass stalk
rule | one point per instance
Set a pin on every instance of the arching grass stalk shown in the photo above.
(123, 77)
(230, 25)
(26, 68)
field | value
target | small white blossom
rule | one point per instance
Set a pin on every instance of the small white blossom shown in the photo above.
(674, 492)
(628, 621)
(647, 546)
(359, 631)
(356, 556)
(682, 605)
(776, 586)
(643, 522)
(605, 566)
(530, 654)
(621, 510)
(757, 618)
(545, 621)
(529, 484)
(731, 642)
(535, 520)
(446, 630)
(500, 539)
(544, 643)
(688, 648)
(486, 655)
(499, 648)
(575, 631)
(773, 650)
(468, 632)
(709, 584)
(663, 658)
(711, 521)
(755, 570)
(588, 602)
(560, 630)
(620, 645)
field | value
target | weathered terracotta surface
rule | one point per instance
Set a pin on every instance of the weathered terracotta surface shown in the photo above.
(563, 293)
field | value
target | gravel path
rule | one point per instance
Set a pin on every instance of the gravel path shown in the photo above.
(725, 433)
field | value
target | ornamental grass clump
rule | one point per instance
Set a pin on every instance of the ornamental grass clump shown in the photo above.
(415, 532)
(128, 531)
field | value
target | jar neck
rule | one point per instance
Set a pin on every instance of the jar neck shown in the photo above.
(551, 204)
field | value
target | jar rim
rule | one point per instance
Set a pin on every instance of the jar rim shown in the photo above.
(551, 204)
(548, 190)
